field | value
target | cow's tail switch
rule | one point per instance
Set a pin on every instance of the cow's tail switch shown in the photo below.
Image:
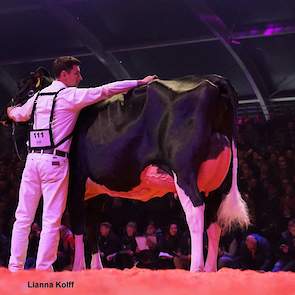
(233, 211)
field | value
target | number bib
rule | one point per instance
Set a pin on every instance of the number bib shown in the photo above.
(43, 138)
(40, 138)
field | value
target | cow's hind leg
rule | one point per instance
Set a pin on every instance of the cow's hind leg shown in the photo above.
(195, 221)
(79, 258)
(92, 236)
(213, 232)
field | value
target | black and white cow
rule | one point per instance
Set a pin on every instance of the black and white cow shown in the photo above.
(168, 124)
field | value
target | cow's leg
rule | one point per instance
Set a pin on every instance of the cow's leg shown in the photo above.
(79, 261)
(96, 261)
(213, 232)
(79, 258)
(77, 215)
(92, 225)
(195, 221)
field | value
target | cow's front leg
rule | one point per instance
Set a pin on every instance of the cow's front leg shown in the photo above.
(79, 259)
(77, 212)
(91, 233)
(195, 221)
(213, 232)
(96, 261)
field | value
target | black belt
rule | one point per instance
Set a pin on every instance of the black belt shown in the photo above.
(50, 151)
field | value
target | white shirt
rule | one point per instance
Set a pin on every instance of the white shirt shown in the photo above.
(69, 103)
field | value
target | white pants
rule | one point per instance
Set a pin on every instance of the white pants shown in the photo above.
(46, 175)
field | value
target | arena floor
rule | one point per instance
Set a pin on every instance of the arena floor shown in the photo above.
(146, 282)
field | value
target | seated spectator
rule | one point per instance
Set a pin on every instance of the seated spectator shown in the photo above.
(255, 254)
(125, 258)
(286, 251)
(169, 247)
(66, 248)
(4, 196)
(148, 258)
(108, 244)
(290, 157)
(287, 205)
(269, 219)
(229, 248)
(183, 258)
(4, 250)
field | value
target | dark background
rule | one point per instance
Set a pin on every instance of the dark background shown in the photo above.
(250, 42)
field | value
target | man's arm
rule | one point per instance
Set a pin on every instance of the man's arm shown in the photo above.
(21, 113)
(84, 97)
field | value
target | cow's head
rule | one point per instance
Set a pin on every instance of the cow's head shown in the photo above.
(27, 87)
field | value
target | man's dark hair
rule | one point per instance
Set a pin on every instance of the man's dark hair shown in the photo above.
(64, 63)
(106, 224)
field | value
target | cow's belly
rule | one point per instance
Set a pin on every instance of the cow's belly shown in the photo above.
(154, 182)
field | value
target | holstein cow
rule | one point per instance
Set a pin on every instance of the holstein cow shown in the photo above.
(170, 136)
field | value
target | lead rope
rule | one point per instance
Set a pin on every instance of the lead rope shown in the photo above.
(13, 135)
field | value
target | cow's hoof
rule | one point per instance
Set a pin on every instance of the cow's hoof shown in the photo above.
(210, 269)
(78, 266)
(197, 269)
(96, 261)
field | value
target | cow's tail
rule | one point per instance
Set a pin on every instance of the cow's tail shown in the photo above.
(233, 211)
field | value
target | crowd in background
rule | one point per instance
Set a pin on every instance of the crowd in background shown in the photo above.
(155, 235)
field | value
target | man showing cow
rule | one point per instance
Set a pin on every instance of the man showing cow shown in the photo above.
(52, 114)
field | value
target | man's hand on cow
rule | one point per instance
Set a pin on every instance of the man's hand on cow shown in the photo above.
(147, 80)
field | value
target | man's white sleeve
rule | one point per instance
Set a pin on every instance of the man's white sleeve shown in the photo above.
(87, 96)
(23, 113)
